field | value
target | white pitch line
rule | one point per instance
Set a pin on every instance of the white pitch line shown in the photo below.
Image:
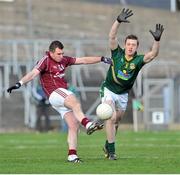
(151, 145)
(140, 156)
(92, 146)
(14, 141)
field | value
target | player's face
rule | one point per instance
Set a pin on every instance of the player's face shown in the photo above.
(57, 55)
(131, 47)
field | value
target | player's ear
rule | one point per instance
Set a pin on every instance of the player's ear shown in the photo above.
(51, 53)
(137, 46)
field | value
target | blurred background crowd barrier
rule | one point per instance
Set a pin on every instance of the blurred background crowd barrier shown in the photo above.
(28, 27)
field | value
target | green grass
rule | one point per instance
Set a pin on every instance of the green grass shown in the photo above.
(142, 152)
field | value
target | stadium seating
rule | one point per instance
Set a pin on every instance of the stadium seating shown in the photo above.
(80, 20)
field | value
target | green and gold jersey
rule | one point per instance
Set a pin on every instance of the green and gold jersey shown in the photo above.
(122, 74)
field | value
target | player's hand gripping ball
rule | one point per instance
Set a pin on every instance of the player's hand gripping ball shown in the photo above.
(104, 111)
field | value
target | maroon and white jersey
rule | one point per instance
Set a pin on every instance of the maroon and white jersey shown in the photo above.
(52, 73)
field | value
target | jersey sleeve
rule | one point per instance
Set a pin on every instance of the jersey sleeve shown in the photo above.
(70, 60)
(115, 51)
(41, 64)
(141, 61)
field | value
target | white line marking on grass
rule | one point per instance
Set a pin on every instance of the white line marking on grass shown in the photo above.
(154, 139)
(14, 141)
(139, 156)
(92, 146)
(150, 145)
(138, 145)
(34, 147)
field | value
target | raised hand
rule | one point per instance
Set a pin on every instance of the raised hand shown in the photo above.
(16, 86)
(106, 60)
(125, 13)
(158, 32)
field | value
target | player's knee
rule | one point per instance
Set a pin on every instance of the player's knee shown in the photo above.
(76, 106)
(113, 119)
(72, 102)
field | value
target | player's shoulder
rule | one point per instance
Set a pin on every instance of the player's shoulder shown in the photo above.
(118, 48)
(139, 59)
(139, 56)
(42, 60)
(45, 57)
(117, 51)
(69, 59)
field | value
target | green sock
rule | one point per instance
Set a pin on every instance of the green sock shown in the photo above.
(106, 144)
(111, 147)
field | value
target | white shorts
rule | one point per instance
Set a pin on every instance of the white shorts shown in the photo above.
(120, 100)
(57, 98)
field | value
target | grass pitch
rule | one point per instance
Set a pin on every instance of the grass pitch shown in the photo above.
(142, 152)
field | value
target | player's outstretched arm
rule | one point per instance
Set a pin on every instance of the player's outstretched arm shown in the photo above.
(156, 45)
(93, 60)
(122, 17)
(28, 77)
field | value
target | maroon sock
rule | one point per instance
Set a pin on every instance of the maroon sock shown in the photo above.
(85, 121)
(72, 151)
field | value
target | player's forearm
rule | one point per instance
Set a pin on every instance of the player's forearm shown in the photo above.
(153, 53)
(91, 60)
(155, 49)
(114, 30)
(29, 76)
(113, 42)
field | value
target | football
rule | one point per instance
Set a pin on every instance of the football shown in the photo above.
(104, 111)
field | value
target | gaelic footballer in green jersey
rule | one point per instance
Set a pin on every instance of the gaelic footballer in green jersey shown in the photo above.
(122, 75)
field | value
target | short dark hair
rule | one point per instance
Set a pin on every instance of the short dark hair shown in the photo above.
(133, 37)
(54, 45)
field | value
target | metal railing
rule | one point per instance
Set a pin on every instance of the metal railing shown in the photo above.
(17, 57)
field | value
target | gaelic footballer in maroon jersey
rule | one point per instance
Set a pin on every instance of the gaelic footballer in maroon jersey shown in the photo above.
(52, 73)
(51, 69)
